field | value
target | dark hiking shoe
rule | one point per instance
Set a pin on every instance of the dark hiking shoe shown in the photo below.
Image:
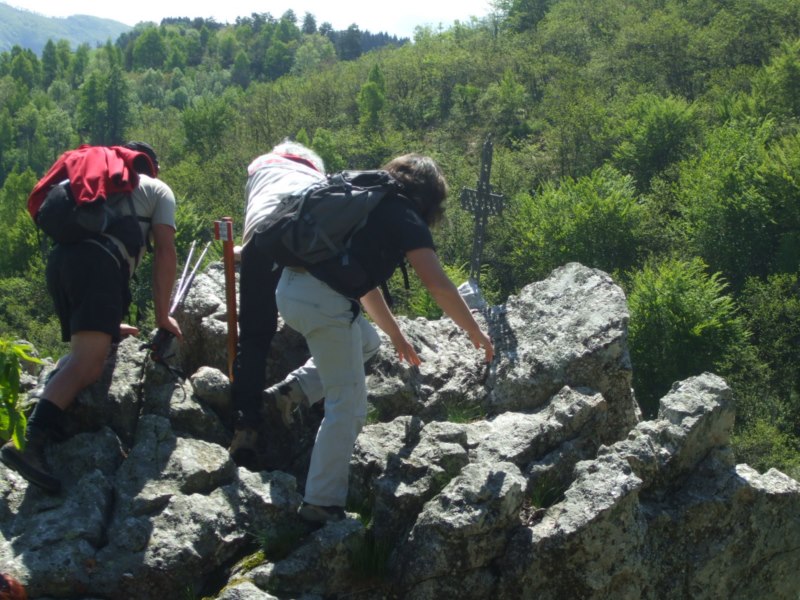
(31, 463)
(243, 447)
(287, 396)
(243, 439)
(320, 514)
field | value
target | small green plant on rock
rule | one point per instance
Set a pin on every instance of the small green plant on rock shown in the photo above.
(12, 419)
(547, 490)
(463, 411)
(369, 558)
(277, 543)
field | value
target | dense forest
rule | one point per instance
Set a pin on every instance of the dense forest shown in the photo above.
(657, 140)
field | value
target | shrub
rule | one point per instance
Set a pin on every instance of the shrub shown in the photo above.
(681, 324)
(12, 419)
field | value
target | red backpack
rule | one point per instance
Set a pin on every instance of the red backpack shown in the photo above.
(69, 202)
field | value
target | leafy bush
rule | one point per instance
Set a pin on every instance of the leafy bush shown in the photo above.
(416, 301)
(681, 324)
(12, 419)
(764, 446)
(27, 312)
(724, 217)
(772, 310)
(593, 220)
(656, 134)
(767, 382)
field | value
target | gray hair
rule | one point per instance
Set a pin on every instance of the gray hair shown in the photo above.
(297, 149)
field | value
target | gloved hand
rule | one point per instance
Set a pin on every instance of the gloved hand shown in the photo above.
(159, 345)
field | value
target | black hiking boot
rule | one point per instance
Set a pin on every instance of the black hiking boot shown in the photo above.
(31, 462)
(243, 449)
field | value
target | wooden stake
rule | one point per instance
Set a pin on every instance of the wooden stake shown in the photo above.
(223, 230)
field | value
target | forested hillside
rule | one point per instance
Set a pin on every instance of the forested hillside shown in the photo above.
(657, 140)
(28, 29)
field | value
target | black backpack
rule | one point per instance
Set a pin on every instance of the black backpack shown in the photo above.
(314, 229)
(67, 222)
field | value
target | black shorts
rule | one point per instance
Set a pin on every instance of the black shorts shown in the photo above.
(89, 289)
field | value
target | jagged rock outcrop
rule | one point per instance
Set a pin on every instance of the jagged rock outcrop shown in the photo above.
(534, 478)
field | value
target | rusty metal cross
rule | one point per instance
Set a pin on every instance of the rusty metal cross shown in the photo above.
(482, 203)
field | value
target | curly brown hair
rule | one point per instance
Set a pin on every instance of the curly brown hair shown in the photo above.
(423, 183)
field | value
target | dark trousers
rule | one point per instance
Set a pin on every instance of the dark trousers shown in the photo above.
(258, 322)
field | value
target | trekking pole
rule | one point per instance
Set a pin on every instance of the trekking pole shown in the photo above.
(183, 277)
(183, 286)
(223, 230)
(162, 338)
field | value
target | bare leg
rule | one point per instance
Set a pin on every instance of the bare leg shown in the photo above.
(80, 368)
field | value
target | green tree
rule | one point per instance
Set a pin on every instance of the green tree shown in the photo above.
(18, 240)
(465, 103)
(507, 103)
(149, 50)
(25, 68)
(177, 58)
(104, 107)
(325, 145)
(278, 60)
(27, 312)
(63, 58)
(656, 49)
(594, 220)
(656, 133)
(204, 123)
(49, 63)
(314, 53)
(91, 110)
(193, 46)
(778, 181)
(772, 311)
(348, 44)
(240, 73)
(150, 88)
(287, 31)
(309, 24)
(27, 127)
(371, 100)
(523, 15)
(682, 323)
(56, 129)
(228, 49)
(723, 215)
(575, 112)
(777, 87)
(117, 105)
(78, 65)
(7, 133)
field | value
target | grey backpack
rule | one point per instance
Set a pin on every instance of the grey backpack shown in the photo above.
(318, 224)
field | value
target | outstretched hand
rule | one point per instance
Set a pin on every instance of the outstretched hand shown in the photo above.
(405, 351)
(480, 340)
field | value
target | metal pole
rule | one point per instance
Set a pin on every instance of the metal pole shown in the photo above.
(223, 230)
(182, 280)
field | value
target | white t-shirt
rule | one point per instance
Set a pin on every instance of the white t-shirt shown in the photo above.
(152, 199)
(272, 177)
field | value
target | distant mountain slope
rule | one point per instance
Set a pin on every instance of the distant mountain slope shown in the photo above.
(30, 30)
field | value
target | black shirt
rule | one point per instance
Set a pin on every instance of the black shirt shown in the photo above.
(393, 228)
